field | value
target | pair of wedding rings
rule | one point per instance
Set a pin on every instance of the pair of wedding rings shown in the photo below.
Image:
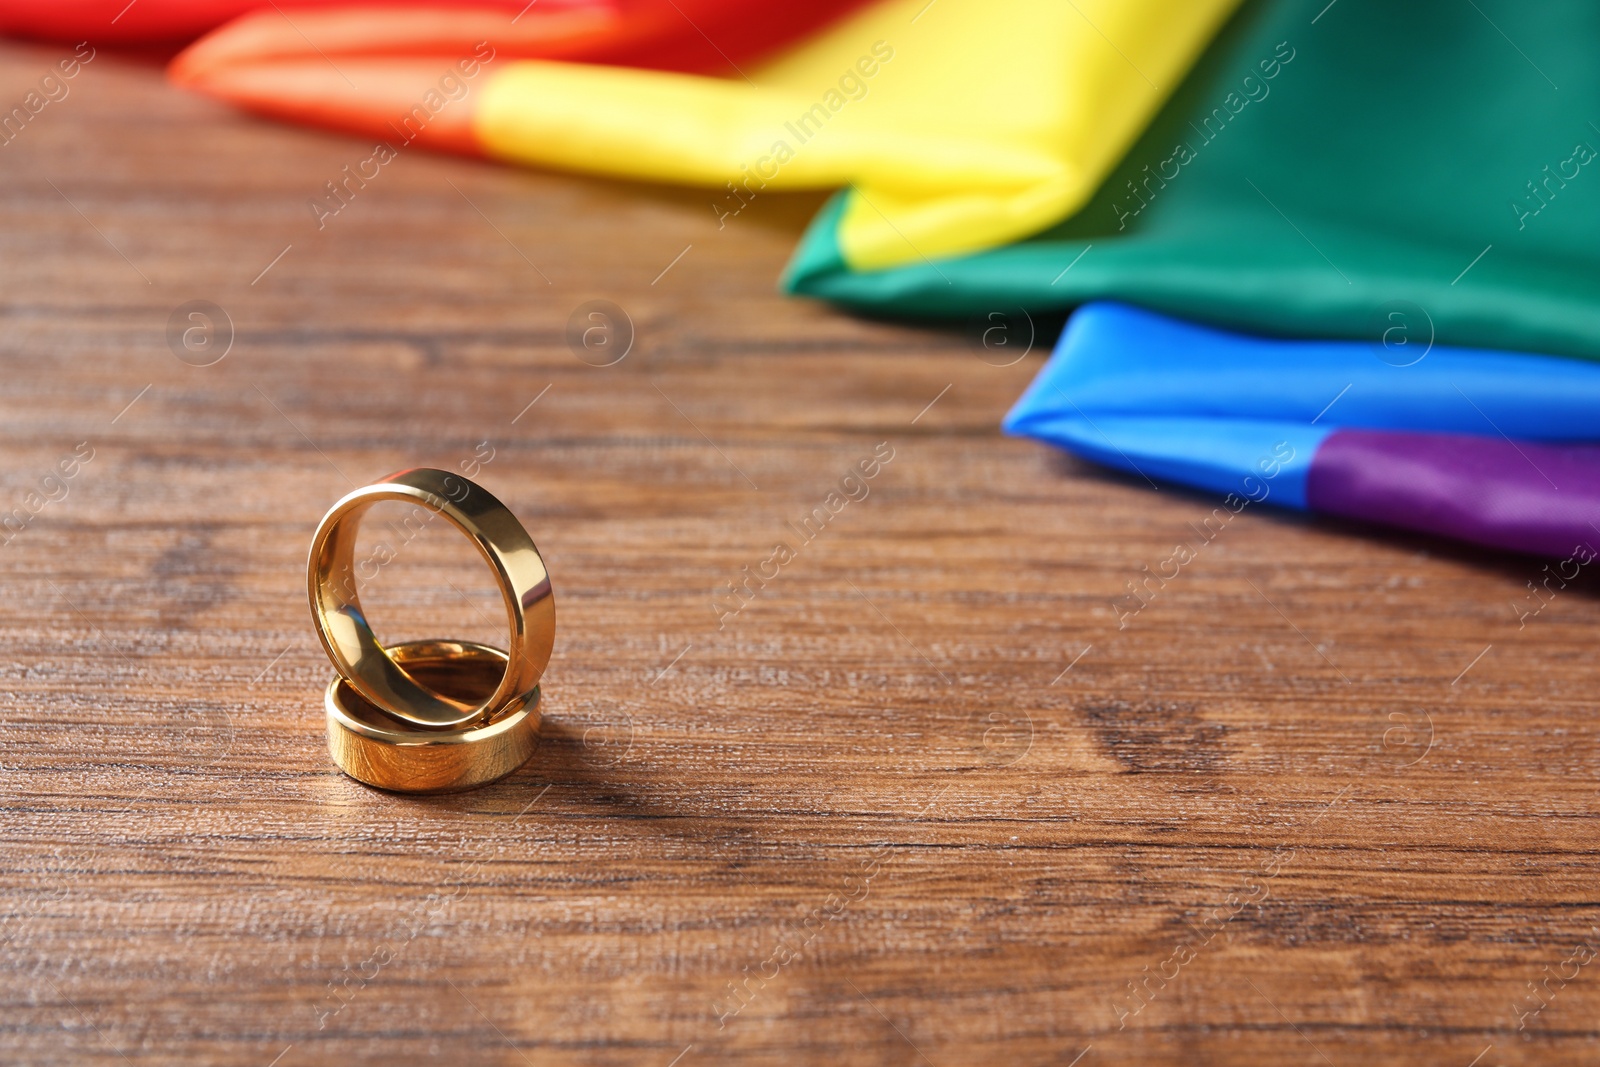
(431, 716)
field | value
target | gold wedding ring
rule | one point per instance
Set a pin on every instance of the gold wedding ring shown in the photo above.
(356, 652)
(431, 716)
(371, 747)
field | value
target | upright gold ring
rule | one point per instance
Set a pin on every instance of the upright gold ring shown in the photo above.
(372, 672)
(370, 747)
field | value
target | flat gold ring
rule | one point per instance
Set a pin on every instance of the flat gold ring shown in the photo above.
(371, 748)
(356, 652)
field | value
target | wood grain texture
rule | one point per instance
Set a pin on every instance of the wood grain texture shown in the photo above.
(1327, 788)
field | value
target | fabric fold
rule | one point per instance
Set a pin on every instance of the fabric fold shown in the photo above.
(1495, 448)
(168, 22)
(1526, 497)
(1321, 168)
(700, 36)
(957, 125)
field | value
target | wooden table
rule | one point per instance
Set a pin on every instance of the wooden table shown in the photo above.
(1327, 799)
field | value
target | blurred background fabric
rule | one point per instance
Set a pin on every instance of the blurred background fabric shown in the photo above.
(1309, 172)
(168, 22)
(1406, 178)
(1465, 444)
(958, 125)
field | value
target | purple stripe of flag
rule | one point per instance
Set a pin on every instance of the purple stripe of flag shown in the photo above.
(1537, 498)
